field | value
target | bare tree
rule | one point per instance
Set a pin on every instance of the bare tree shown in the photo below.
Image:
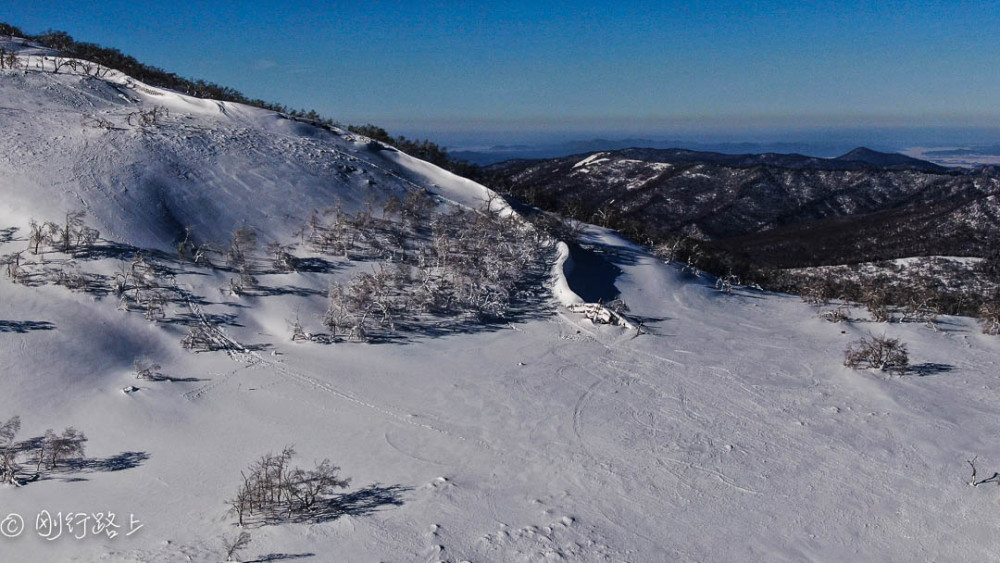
(145, 369)
(298, 333)
(36, 236)
(8, 59)
(12, 61)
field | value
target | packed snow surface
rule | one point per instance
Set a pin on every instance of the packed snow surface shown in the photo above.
(729, 431)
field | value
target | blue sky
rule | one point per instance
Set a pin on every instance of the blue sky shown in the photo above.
(589, 67)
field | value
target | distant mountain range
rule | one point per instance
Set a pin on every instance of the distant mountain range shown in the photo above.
(784, 210)
(500, 153)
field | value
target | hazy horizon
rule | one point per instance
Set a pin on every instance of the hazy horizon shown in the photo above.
(834, 139)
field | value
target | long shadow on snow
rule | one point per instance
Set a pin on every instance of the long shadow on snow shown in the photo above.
(280, 557)
(265, 291)
(22, 327)
(929, 368)
(66, 470)
(357, 503)
(7, 234)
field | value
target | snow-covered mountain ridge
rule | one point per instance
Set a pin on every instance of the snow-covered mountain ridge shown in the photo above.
(776, 210)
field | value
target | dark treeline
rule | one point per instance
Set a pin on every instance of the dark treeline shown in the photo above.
(422, 149)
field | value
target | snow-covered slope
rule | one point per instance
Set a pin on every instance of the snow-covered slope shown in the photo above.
(730, 431)
(208, 165)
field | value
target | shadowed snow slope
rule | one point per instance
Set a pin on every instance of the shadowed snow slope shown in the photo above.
(729, 432)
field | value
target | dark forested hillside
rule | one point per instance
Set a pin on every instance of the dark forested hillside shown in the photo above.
(773, 209)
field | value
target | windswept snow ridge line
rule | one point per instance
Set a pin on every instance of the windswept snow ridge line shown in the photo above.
(560, 270)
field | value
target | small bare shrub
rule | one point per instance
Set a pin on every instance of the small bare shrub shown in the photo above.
(726, 283)
(877, 352)
(145, 369)
(282, 259)
(201, 339)
(838, 315)
(147, 118)
(875, 299)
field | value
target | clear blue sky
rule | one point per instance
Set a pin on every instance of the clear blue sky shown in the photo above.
(636, 67)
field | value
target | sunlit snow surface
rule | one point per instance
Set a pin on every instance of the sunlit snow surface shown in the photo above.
(729, 432)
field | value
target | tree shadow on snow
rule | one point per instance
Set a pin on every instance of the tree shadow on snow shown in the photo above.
(120, 462)
(69, 470)
(169, 379)
(22, 327)
(315, 265)
(265, 291)
(928, 368)
(357, 503)
(280, 557)
(7, 234)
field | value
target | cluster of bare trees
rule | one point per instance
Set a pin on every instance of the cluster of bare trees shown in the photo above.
(465, 263)
(200, 338)
(989, 315)
(274, 491)
(12, 267)
(727, 283)
(377, 232)
(78, 66)
(918, 301)
(877, 352)
(905, 296)
(874, 300)
(426, 267)
(686, 250)
(47, 452)
(71, 235)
